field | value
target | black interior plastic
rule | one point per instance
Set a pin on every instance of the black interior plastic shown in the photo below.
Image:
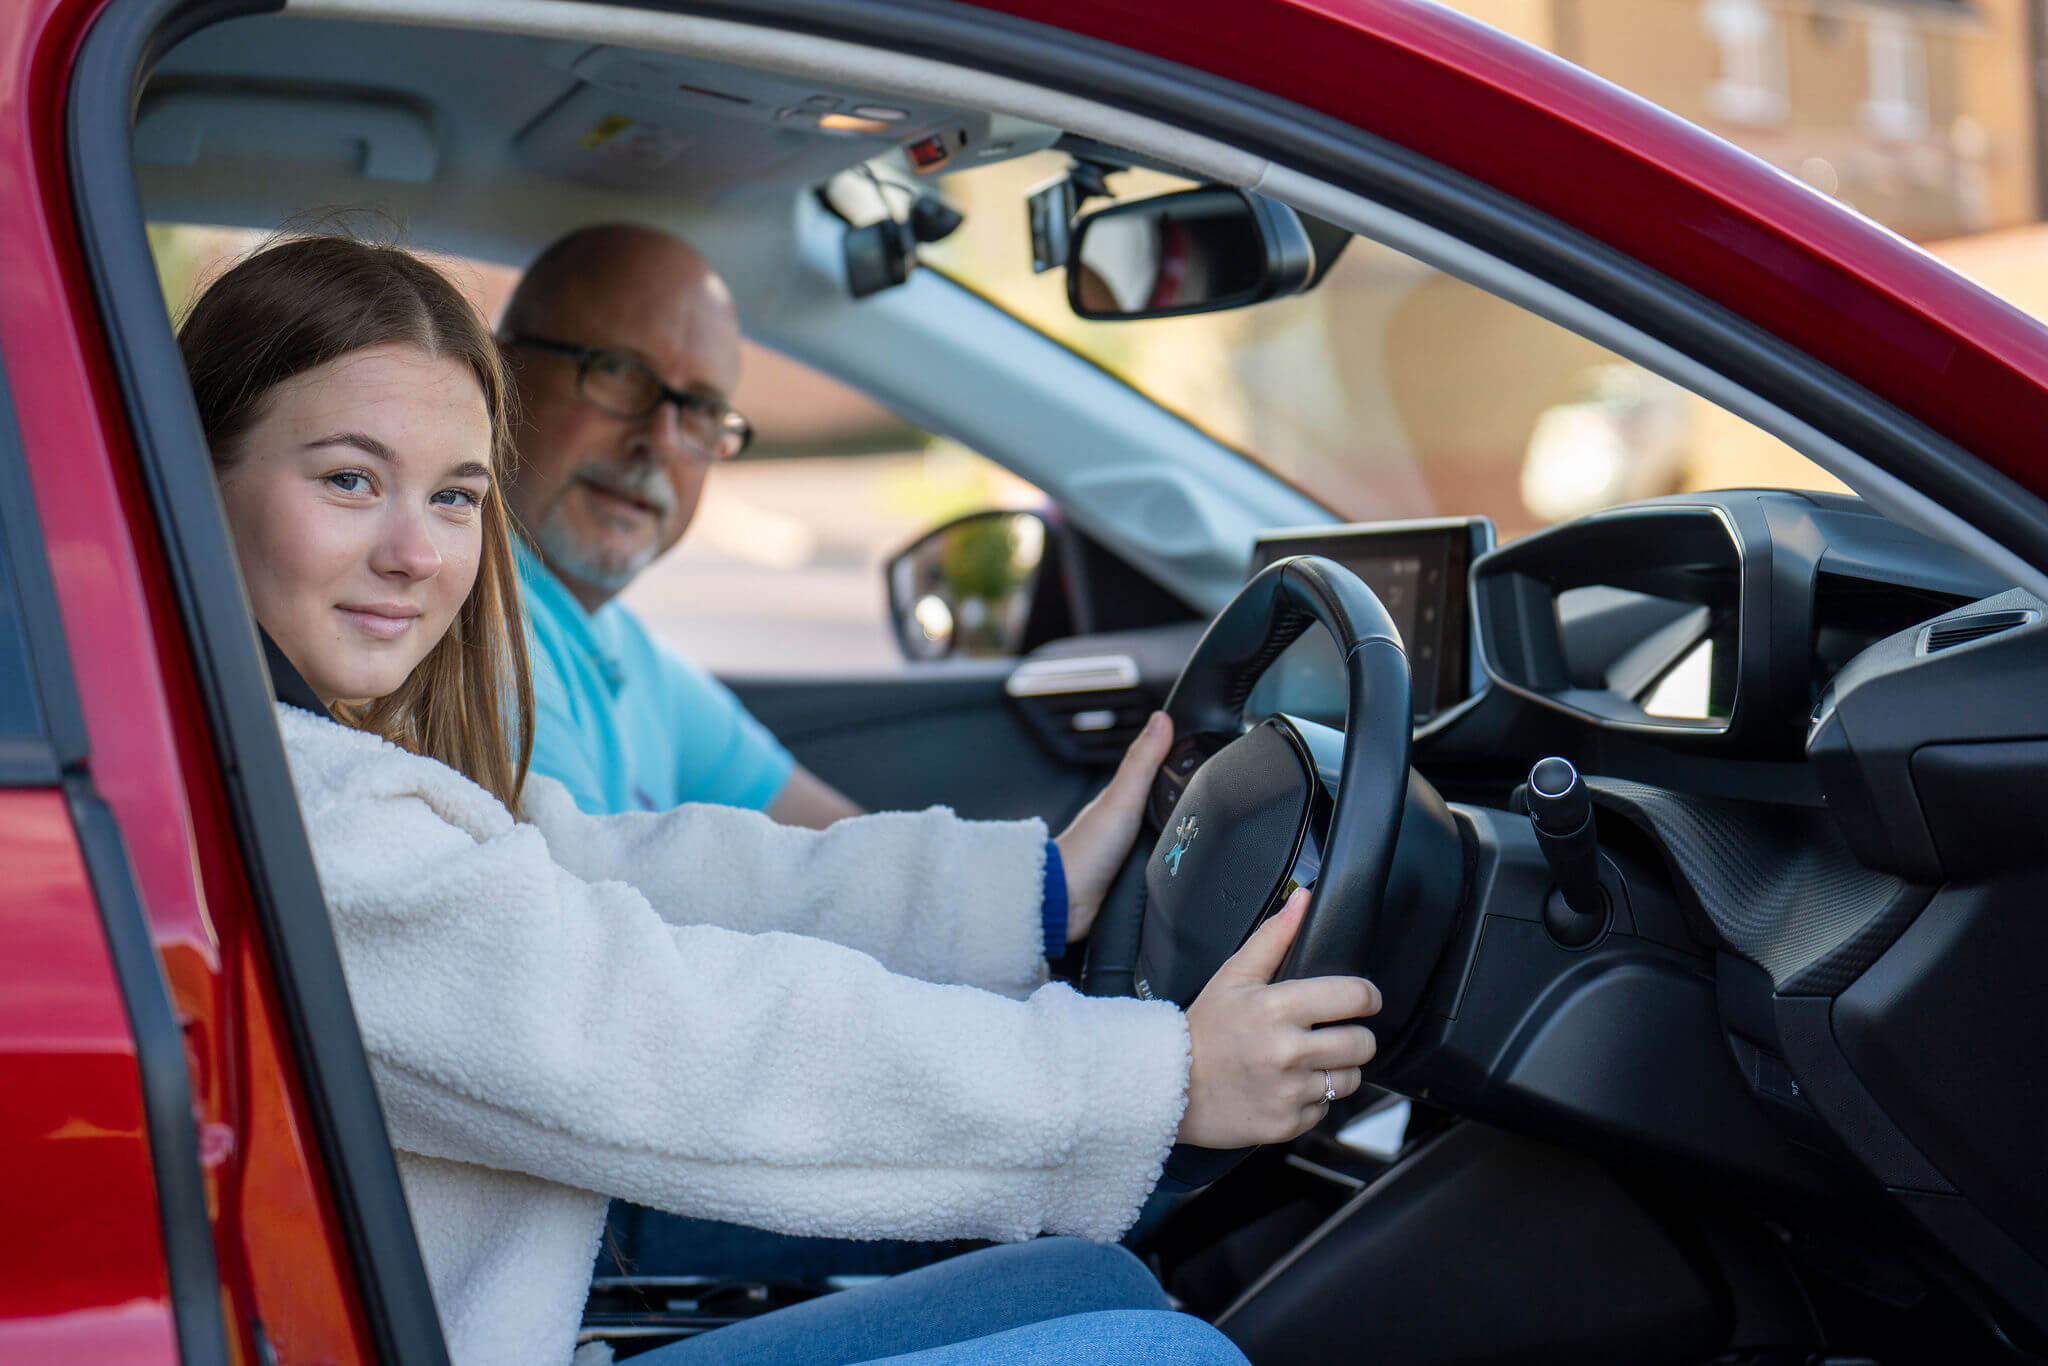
(1787, 585)
(1935, 1030)
(1483, 1247)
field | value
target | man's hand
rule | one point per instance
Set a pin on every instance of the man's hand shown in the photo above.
(1095, 846)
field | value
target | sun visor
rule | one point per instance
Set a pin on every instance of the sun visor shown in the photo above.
(376, 139)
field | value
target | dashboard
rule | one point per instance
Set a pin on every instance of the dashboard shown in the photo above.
(1713, 622)
(1706, 624)
(1815, 741)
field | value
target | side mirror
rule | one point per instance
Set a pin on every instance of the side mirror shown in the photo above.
(969, 586)
(1195, 251)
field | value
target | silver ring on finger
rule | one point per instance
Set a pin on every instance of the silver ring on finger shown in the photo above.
(1329, 1089)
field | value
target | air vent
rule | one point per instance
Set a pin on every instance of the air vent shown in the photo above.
(1962, 630)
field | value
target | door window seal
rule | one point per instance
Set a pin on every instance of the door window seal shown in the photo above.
(34, 754)
(166, 1085)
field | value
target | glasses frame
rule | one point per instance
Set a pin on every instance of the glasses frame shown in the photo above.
(728, 417)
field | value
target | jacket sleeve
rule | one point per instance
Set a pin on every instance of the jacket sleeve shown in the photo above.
(519, 1016)
(924, 893)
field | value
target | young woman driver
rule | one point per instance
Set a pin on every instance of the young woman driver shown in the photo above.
(845, 1032)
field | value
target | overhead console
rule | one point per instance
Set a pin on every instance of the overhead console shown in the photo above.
(637, 113)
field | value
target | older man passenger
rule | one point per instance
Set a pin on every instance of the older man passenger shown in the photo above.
(625, 347)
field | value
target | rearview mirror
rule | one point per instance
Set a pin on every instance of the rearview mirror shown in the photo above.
(968, 587)
(1195, 251)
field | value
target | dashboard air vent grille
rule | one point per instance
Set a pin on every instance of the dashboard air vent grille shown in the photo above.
(1948, 634)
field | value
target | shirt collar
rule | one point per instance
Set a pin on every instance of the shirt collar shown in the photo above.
(546, 593)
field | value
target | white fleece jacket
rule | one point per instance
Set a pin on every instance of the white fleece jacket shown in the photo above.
(844, 1032)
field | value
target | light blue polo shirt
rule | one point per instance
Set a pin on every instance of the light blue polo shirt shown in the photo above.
(627, 724)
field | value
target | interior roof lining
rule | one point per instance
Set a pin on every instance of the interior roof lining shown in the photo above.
(826, 60)
(830, 60)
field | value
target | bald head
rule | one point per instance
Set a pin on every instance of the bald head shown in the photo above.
(593, 265)
(604, 495)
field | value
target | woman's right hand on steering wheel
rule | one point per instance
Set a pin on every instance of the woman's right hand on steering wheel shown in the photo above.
(1257, 1071)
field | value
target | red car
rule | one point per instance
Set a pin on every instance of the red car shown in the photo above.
(1746, 1066)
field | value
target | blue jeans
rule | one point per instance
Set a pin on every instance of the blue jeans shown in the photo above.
(1050, 1302)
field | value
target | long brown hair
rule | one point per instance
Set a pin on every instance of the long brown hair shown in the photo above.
(304, 302)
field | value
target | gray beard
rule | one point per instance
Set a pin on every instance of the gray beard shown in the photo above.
(572, 559)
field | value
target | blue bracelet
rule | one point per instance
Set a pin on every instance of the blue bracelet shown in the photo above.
(1052, 907)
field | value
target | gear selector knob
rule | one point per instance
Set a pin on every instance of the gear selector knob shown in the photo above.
(1562, 812)
(1557, 799)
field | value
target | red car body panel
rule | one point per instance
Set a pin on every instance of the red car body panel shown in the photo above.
(82, 1274)
(1537, 128)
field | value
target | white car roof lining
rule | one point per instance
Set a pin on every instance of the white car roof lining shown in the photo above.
(815, 333)
(827, 61)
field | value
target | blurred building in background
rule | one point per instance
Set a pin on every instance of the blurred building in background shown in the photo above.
(1923, 114)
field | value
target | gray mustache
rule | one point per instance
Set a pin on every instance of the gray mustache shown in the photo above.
(646, 483)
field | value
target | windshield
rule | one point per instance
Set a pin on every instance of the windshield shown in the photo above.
(1391, 390)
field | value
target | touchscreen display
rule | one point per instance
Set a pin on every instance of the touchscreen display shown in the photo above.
(1418, 569)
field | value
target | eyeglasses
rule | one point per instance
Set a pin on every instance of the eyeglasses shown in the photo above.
(623, 385)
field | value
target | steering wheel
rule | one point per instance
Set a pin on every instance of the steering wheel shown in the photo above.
(1247, 810)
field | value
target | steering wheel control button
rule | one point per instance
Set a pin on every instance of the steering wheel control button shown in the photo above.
(1561, 810)
(1187, 755)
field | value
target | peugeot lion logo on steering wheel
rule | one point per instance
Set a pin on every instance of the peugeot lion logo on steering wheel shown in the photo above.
(1183, 835)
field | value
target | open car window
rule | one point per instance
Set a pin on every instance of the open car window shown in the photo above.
(1391, 389)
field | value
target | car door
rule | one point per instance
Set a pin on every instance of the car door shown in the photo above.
(281, 1231)
(1027, 729)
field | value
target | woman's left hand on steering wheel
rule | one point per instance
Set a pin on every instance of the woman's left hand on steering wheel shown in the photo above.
(1093, 848)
